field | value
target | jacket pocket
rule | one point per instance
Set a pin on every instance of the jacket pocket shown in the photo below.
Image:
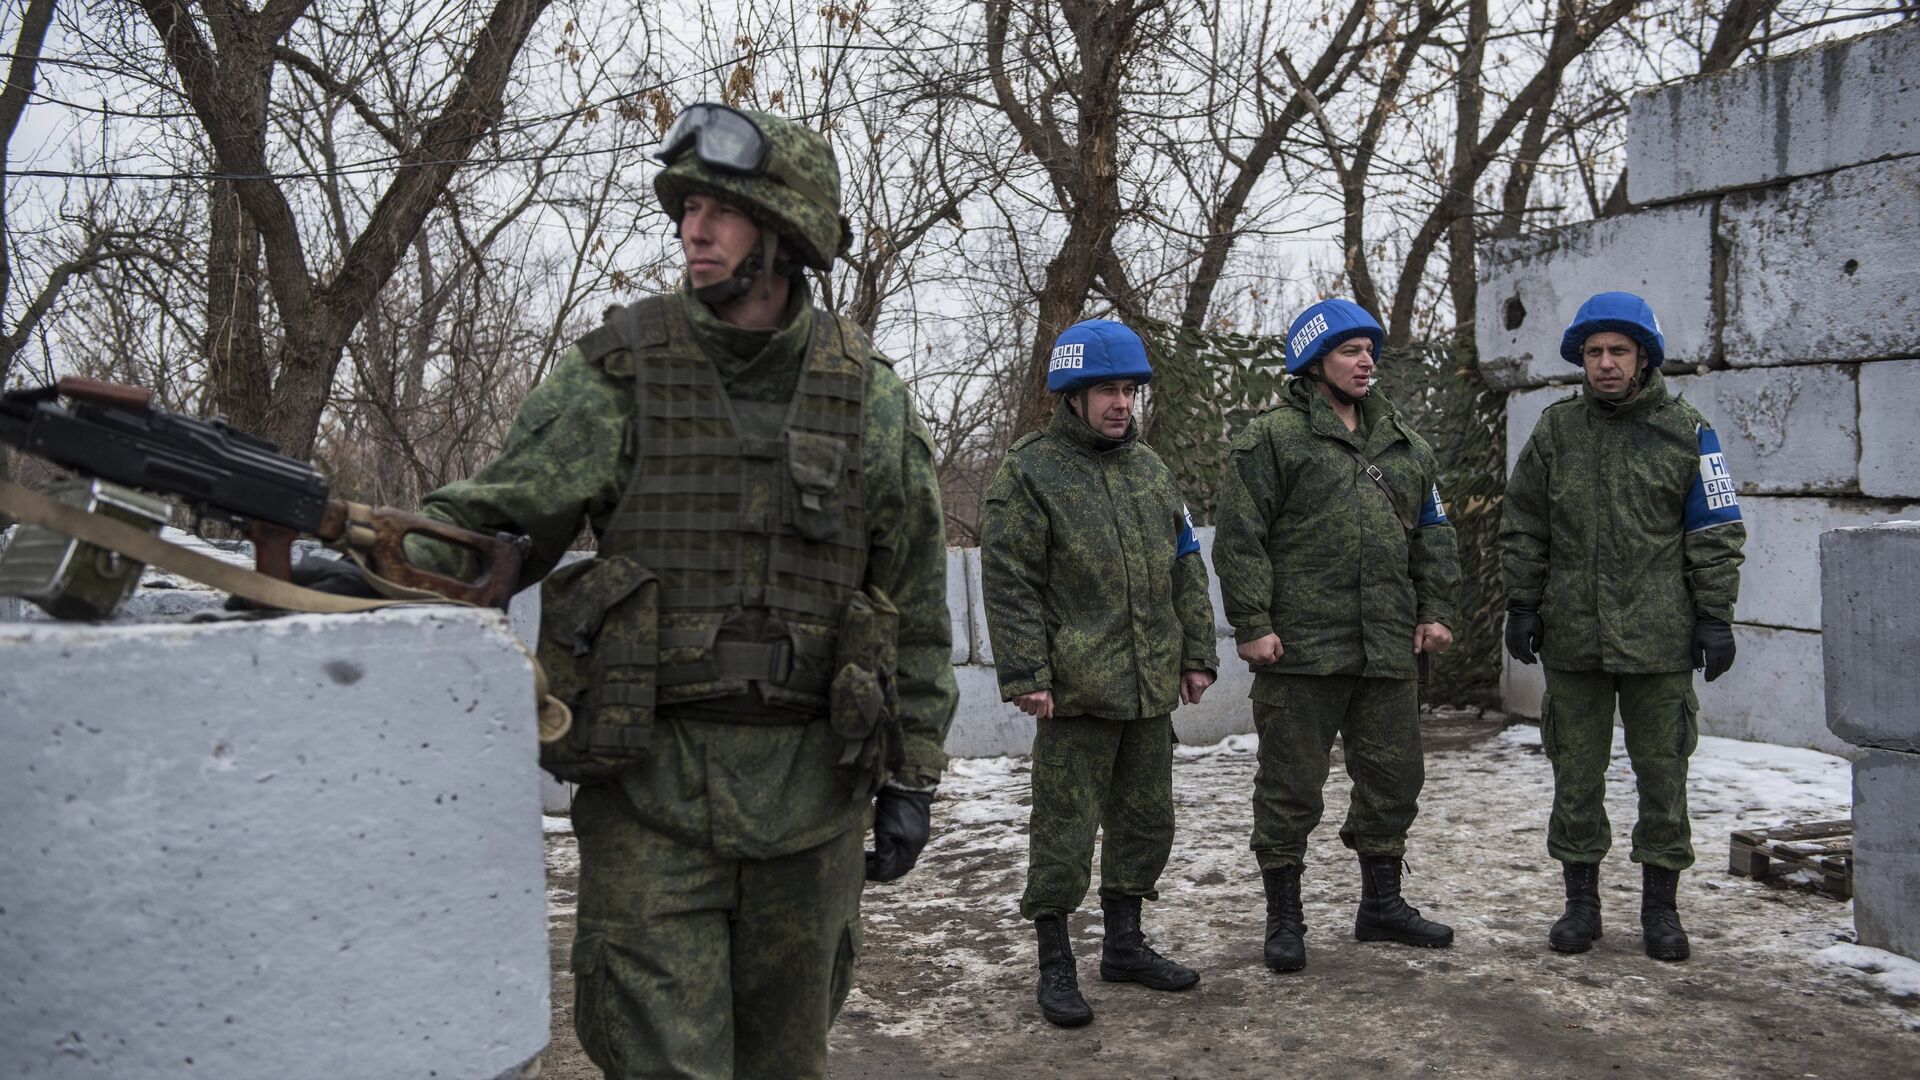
(816, 470)
(599, 646)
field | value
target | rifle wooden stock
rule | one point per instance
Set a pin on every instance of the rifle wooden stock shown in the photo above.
(386, 553)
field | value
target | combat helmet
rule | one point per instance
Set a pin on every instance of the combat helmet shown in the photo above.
(1622, 313)
(782, 173)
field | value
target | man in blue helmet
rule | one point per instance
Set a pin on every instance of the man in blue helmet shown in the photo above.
(1337, 566)
(1096, 598)
(1620, 543)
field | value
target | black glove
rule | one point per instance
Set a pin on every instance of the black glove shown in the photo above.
(1524, 631)
(902, 820)
(1712, 646)
(321, 573)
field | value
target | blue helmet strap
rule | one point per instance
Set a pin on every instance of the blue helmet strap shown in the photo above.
(1317, 371)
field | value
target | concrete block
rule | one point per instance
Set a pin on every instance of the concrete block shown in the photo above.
(1886, 851)
(1780, 581)
(1822, 269)
(1523, 415)
(1221, 628)
(1826, 108)
(1870, 587)
(1785, 431)
(977, 612)
(1889, 437)
(959, 605)
(303, 848)
(1774, 694)
(1531, 288)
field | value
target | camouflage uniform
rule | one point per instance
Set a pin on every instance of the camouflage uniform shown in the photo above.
(721, 872)
(1089, 595)
(1309, 548)
(1605, 489)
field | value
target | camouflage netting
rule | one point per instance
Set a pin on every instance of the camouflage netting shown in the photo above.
(1208, 385)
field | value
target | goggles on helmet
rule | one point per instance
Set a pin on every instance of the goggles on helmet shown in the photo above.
(727, 140)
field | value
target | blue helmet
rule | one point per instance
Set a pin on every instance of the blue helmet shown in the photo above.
(1326, 324)
(1620, 312)
(1096, 351)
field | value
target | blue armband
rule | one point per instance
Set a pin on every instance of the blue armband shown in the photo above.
(1187, 543)
(1711, 500)
(1433, 511)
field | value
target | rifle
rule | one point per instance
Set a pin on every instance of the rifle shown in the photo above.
(115, 433)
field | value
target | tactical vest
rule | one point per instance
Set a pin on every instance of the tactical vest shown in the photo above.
(752, 515)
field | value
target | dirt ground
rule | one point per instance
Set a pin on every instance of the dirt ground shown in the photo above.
(945, 986)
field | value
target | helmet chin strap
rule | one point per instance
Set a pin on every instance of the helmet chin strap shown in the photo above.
(740, 282)
(1318, 373)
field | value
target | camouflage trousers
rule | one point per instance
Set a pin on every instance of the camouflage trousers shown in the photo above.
(1660, 715)
(1092, 775)
(1378, 722)
(689, 964)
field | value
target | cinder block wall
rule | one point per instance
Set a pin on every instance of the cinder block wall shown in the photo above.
(1774, 233)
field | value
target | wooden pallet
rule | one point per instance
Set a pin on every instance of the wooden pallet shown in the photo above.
(1821, 848)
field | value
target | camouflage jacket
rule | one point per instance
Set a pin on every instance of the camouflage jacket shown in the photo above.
(1094, 587)
(1308, 547)
(747, 790)
(1621, 522)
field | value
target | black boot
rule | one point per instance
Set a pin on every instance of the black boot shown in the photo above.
(1577, 929)
(1384, 916)
(1125, 955)
(1059, 994)
(1286, 922)
(1659, 917)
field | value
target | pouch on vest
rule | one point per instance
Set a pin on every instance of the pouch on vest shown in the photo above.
(815, 464)
(599, 644)
(863, 704)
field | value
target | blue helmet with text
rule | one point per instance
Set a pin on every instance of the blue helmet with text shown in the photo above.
(1324, 325)
(1096, 351)
(1621, 313)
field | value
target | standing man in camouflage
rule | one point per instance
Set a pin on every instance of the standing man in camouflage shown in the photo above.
(1337, 566)
(1620, 542)
(1096, 598)
(760, 489)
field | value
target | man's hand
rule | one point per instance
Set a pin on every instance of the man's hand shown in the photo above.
(1038, 704)
(1712, 646)
(321, 573)
(1193, 684)
(1261, 651)
(902, 821)
(1432, 637)
(1524, 632)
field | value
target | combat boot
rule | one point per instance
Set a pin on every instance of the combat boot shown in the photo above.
(1059, 994)
(1577, 929)
(1659, 916)
(1384, 916)
(1286, 922)
(1125, 955)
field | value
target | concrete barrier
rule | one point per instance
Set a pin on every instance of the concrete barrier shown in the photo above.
(1812, 112)
(308, 847)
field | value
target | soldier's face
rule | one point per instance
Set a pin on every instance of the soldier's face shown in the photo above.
(716, 237)
(1109, 406)
(1349, 367)
(1611, 361)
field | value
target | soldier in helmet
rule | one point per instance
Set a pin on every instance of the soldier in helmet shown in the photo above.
(761, 492)
(1620, 542)
(1096, 598)
(1337, 566)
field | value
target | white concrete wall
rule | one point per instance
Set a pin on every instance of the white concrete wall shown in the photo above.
(1812, 112)
(308, 847)
(1778, 258)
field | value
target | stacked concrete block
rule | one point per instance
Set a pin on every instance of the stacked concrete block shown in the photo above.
(1871, 637)
(1774, 239)
(308, 847)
